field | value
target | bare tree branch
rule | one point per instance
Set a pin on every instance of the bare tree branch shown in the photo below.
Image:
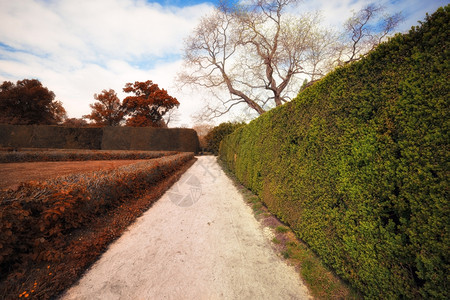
(364, 35)
(258, 52)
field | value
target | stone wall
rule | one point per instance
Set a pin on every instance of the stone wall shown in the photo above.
(105, 138)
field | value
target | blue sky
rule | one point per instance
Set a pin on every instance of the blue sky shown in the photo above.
(182, 3)
(77, 48)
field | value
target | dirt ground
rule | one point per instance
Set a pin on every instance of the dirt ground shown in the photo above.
(12, 174)
(199, 241)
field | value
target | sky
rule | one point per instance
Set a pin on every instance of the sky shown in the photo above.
(77, 48)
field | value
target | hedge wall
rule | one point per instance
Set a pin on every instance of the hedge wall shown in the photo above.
(38, 155)
(104, 138)
(216, 135)
(358, 165)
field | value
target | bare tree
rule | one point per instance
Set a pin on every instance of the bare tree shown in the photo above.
(364, 31)
(202, 131)
(253, 52)
(258, 55)
(172, 116)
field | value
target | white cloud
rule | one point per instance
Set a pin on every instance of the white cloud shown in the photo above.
(335, 13)
(98, 29)
(78, 48)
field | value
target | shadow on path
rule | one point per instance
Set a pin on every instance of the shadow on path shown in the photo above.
(199, 241)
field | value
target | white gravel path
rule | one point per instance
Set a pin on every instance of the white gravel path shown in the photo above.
(199, 241)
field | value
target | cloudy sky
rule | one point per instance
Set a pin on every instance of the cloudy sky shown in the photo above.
(77, 48)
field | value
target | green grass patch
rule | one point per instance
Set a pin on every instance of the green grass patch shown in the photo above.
(282, 229)
(321, 281)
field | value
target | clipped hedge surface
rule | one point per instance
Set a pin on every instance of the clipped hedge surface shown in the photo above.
(78, 155)
(37, 218)
(216, 135)
(104, 138)
(358, 165)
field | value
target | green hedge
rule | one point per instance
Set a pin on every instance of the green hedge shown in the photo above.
(216, 135)
(358, 165)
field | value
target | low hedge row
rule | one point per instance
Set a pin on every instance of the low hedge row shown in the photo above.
(78, 155)
(358, 165)
(36, 218)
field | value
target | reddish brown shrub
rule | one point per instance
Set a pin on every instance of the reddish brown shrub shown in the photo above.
(37, 219)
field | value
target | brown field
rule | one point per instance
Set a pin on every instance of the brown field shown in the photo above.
(12, 174)
(80, 233)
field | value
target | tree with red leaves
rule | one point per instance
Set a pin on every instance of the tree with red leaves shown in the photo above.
(148, 105)
(107, 111)
(75, 122)
(29, 102)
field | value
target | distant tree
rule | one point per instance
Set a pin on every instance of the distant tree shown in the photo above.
(107, 111)
(172, 116)
(202, 130)
(28, 102)
(58, 112)
(148, 105)
(75, 122)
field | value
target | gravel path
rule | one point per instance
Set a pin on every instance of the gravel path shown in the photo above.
(199, 241)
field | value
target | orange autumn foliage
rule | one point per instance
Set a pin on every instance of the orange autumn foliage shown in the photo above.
(148, 105)
(107, 111)
(50, 230)
(28, 102)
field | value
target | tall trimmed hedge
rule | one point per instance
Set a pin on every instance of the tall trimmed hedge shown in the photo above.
(358, 165)
(105, 138)
(216, 135)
